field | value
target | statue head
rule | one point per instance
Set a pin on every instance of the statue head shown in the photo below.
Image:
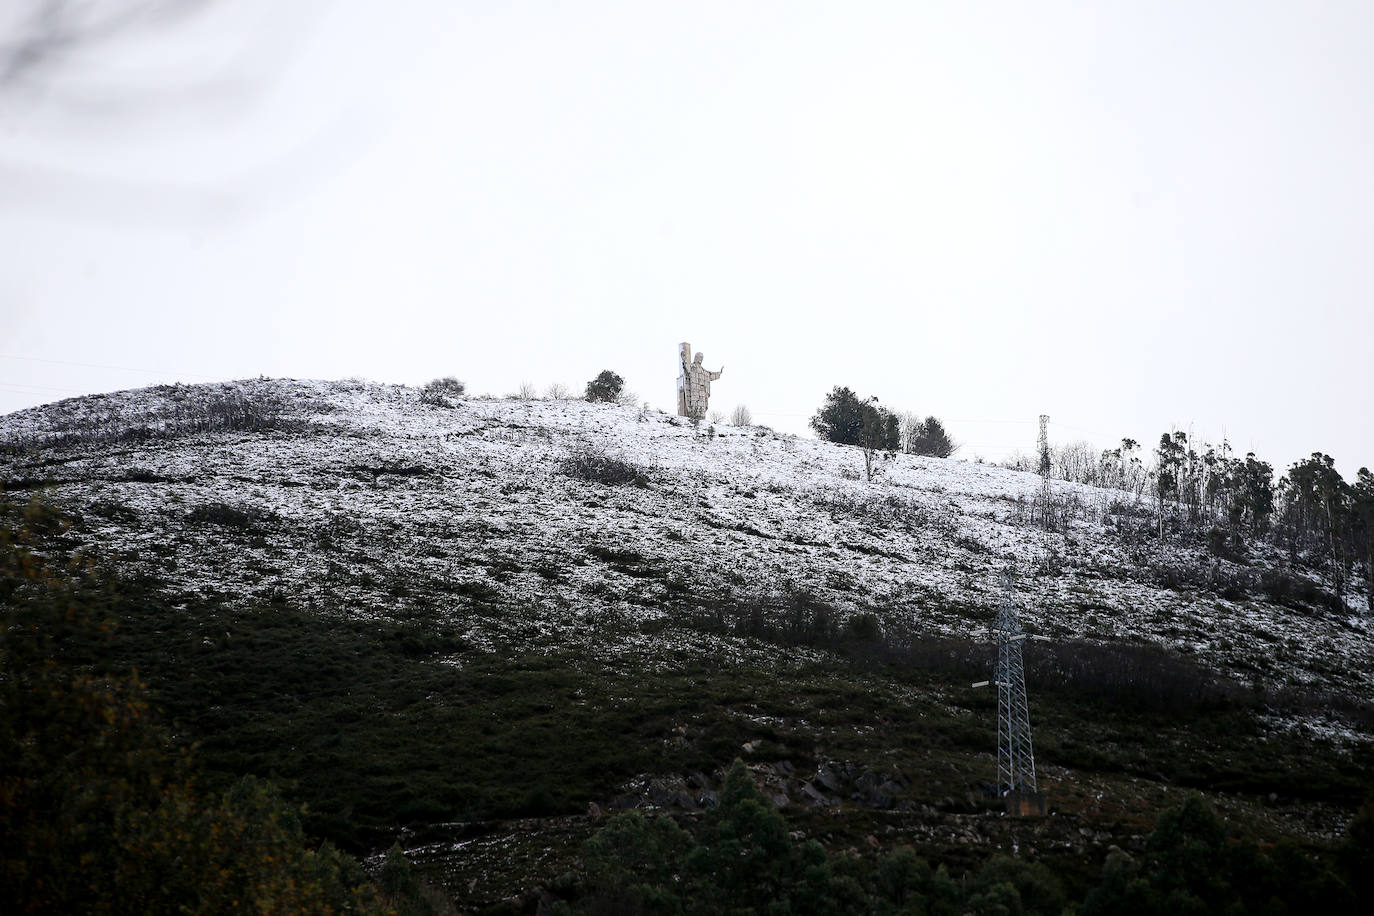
(699, 357)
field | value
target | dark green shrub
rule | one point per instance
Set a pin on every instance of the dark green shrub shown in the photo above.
(99, 810)
(743, 860)
(863, 628)
(606, 387)
(1190, 866)
(1016, 886)
(224, 515)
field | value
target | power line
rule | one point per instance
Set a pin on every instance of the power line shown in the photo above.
(39, 387)
(68, 362)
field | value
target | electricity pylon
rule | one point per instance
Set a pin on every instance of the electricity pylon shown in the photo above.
(1046, 494)
(1015, 754)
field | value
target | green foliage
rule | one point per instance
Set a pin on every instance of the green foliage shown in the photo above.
(400, 889)
(846, 419)
(633, 865)
(1357, 852)
(745, 854)
(1018, 888)
(929, 437)
(393, 722)
(907, 884)
(1253, 485)
(1317, 512)
(98, 809)
(606, 387)
(743, 860)
(1169, 461)
(1191, 867)
(863, 628)
(840, 418)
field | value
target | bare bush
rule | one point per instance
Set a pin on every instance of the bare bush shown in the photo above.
(595, 466)
(886, 509)
(1079, 462)
(224, 515)
(558, 392)
(741, 417)
(1055, 511)
(789, 616)
(442, 392)
(527, 392)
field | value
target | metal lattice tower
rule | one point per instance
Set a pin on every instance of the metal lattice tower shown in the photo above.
(1043, 446)
(1015, 756)
(1046, 507)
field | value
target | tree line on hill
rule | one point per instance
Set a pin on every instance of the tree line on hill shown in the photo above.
(1204, 491)
(1195, 489)
(847, 419)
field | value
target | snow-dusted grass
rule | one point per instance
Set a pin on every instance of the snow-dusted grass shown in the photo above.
(361, 500)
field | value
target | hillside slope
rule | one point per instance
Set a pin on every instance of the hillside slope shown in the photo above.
(480, 627)
(358, 499)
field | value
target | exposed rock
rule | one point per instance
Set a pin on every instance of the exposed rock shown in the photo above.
(877, 798)
(660, 795)
(827, 779)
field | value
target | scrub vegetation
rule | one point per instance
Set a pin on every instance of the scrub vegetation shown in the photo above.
(428, 642)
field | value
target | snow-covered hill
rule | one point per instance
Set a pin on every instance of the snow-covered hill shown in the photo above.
(359, 499)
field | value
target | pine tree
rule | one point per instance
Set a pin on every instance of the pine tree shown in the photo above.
(931, 438)
(606, 387)
(841, 418)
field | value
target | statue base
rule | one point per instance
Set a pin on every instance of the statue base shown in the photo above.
(1027, 804)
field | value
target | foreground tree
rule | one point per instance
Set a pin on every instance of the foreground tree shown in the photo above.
(1190, 866)
(743, 860)
(99, 812)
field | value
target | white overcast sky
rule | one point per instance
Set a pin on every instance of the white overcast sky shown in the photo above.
(1130, 216)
